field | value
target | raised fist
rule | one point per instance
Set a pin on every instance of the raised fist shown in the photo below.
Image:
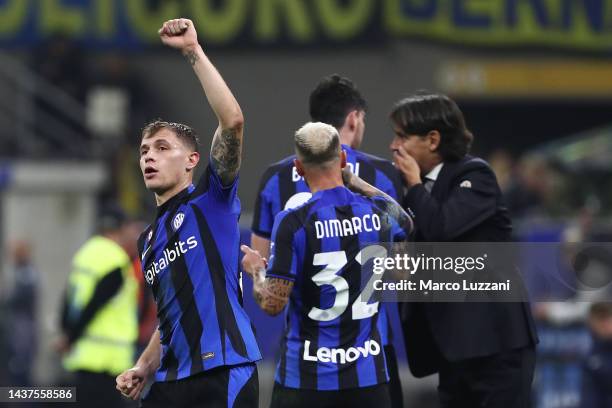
(179, 33)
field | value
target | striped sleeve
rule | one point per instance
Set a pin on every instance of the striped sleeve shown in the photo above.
(283, 262)
(263, 215)
(223, 196)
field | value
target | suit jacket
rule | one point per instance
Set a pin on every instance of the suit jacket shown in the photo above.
(465, 205)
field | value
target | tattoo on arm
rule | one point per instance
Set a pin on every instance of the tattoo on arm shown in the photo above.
(362, 187)
(271, 294)
(402, 217)
(395, 210)
(225, 154)
(192, 57)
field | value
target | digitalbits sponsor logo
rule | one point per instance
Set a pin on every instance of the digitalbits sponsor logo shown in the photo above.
(178, 220)
(169, 255)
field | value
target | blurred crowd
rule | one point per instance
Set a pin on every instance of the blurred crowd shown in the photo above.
(551, 201)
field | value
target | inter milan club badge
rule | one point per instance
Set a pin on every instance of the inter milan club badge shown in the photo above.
(178, 220)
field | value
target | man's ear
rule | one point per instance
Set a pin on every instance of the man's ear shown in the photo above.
(299, 167)
(342, 158)
(351, 120)
(192, 160)
(434, 140)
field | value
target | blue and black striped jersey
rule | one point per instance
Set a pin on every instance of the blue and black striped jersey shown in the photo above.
(282, 188)
(331, 340)
(190, 258)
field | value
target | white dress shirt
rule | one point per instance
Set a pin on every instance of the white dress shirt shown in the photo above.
(431, 177)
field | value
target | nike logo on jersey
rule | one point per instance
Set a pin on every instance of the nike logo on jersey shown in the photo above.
(144, 253)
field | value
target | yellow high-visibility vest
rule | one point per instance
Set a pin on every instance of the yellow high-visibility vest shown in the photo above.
(108, 342)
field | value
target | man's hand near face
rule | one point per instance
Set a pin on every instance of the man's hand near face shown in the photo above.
(407, 165)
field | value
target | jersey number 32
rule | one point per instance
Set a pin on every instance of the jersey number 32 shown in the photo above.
(334, 262)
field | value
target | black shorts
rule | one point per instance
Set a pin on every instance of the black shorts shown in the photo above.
(222, 387)
(366, 397)
(395, 385)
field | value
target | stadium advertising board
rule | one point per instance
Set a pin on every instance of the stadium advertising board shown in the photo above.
(566, 24)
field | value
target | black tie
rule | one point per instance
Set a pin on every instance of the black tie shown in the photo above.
(428, 184)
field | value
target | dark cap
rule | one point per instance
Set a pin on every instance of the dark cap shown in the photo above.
(111, 217)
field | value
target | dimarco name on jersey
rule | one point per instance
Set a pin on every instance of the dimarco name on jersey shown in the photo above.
(347, 226)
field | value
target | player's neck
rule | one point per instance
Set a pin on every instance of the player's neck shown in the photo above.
(346, 137)
(323, 181)
(163, 197)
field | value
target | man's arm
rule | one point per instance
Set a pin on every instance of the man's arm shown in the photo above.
(465, 206)
(131, 382)
(395, 210)
(226, 146)
(104, 291)
(263, 218)
(261, 245)
(150, 359)
(360, 186)
(271, 294)
(72, 330)
(463, 209)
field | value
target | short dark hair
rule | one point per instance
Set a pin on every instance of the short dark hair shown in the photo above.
(185, 133)
(334, 98)
(423, 112)
(601, 310)
(111, 217)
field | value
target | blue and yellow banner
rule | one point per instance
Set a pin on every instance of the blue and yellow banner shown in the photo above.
(567, 24)
(563, 24)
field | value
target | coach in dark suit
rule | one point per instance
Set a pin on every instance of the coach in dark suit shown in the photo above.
(484, 352)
